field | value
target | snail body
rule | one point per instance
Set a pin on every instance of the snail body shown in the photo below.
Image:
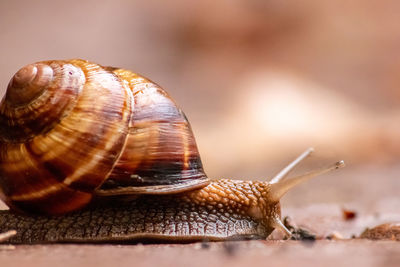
(100, 154)
(219, 211)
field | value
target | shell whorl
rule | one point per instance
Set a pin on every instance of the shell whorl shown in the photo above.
(62, 144)
(37, 97)
(28, 83)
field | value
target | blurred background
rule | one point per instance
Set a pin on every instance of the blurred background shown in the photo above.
(260, 81)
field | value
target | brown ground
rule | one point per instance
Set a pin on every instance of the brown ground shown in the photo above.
(370, 202)
(249, 253)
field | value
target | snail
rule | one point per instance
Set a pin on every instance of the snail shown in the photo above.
(100, 154)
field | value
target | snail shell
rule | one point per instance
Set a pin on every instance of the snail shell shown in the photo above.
(70, 130)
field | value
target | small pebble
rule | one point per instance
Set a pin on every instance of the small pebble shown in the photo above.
(387, 231)
(231, 247)
(349, 215)
(335, 236)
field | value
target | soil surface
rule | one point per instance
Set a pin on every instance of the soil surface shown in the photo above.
(239, 253)
(360, 203)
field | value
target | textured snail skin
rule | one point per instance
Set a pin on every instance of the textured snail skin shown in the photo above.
(71, 127)
(223, 210)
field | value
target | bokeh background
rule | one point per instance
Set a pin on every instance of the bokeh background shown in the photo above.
(260, 81)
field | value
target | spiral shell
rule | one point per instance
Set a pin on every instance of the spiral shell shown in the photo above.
(70, 130)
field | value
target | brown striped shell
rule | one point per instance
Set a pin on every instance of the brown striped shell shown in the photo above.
(70, 130)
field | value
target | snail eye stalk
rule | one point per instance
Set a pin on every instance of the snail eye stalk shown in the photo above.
(279, 189)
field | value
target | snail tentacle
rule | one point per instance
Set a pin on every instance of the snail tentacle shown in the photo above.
(278, 224)
(278, 190)
(285, 171)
